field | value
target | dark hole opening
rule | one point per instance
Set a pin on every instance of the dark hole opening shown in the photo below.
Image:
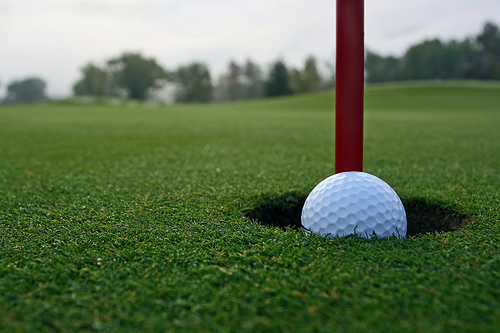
(284, 211)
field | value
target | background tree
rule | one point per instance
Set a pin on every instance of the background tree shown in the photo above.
(240, 82)
(93, 82)
(488, 43)
(460, 60)
(329, 82)
(252, 80)
(381, 69)
(135, 74)
(278, 83)
(424, 61)
(311, 75)
(471, 58)
(221, 88)
(234, 85)
(193, 83)
(296, 81)
(28, 90)
(308, 79)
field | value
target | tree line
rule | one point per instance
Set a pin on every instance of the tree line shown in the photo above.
(472, 58)
(134, 76)
(247, 80)
(31, 89)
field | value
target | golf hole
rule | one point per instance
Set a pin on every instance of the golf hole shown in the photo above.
(284, 211)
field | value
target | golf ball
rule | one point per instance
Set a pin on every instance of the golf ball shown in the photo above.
(354, 203)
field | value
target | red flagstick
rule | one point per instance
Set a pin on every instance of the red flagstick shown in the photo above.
(349, 86)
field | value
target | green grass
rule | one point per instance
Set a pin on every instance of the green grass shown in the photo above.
(121, 218)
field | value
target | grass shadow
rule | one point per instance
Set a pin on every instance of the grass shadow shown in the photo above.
(284, 211)
(430, 217)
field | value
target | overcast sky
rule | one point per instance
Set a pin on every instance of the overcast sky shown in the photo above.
(53, 39)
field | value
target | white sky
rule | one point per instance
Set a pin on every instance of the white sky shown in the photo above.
(53, 39)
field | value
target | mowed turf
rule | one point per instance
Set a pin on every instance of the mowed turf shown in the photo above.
(134, 217)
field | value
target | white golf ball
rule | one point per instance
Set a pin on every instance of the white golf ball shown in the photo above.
(354, 203)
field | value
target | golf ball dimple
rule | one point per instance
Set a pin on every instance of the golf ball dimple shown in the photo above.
(354, 202)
